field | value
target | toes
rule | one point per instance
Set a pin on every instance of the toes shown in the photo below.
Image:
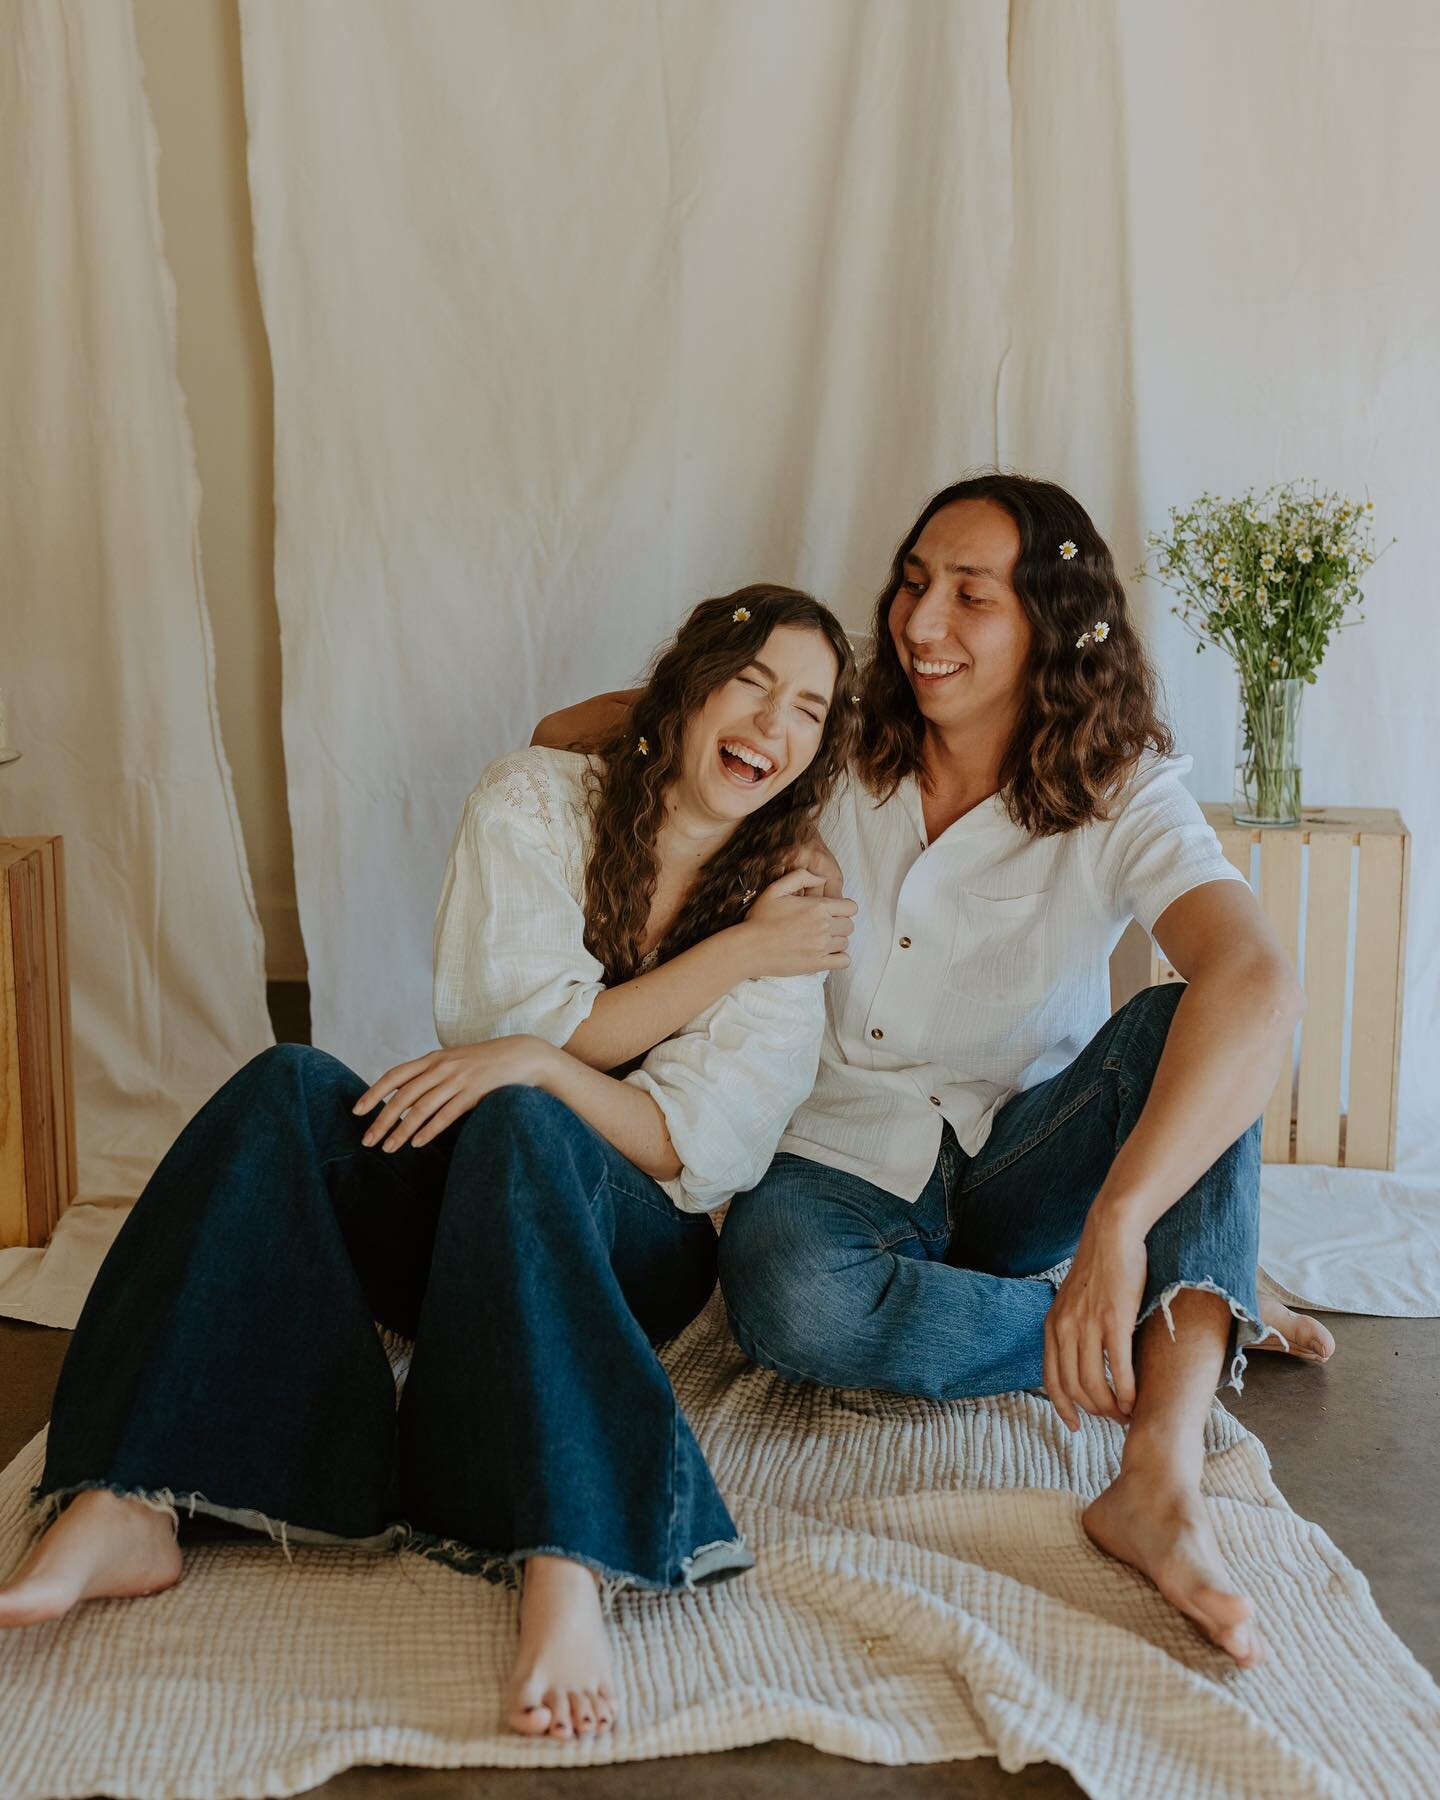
(529, 1721)
(1225, 1619)
(561, 1725)
(527, 1712)
(582, 1713)
(1244, 1643)
(1315, 1342)
(1222, 1607)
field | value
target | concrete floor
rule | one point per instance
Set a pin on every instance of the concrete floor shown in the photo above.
(1355, 1447)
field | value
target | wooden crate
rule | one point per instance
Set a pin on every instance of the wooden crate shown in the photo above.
(1303, 1122)
(37, 1090)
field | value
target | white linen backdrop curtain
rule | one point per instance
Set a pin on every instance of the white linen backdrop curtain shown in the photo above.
(1228, 272)
(579, 313)
(105, 654)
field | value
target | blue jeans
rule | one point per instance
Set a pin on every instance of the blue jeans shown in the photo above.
(228, 1362)
(830, 1279)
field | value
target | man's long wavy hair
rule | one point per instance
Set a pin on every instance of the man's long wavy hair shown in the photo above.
(1091, 712)
(629, 787)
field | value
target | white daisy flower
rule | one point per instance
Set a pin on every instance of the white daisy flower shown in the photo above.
(1267, 561)
(1304, 554)
(1069, 550)
(1101, 631)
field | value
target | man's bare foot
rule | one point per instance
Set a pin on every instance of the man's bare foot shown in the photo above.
(1304, 1337)
(1158, 1525)
(102, 1547)
(561, 1681)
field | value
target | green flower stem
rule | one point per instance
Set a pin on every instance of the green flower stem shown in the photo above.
(1269, 767)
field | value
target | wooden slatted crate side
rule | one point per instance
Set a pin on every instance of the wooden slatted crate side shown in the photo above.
(1376, 1020)
(37, 1124)
(14, 1228)
(1280, 902)
(32, 1013)
(1333, 838)
(1322, 1030)
(56, 997)
(67, 1057)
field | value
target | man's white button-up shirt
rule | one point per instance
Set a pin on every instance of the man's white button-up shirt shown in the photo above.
(979, 964)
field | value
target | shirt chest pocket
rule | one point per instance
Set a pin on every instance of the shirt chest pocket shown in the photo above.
(998, 953)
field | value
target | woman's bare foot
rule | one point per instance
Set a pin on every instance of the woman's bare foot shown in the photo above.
(1158, 1525)
(560, 1683)
(1304, 1337)
(102, 1547)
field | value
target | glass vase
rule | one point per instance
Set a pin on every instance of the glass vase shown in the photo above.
(1267, 753)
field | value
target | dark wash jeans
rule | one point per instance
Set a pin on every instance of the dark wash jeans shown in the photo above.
(830, 1279)
(227, 1359)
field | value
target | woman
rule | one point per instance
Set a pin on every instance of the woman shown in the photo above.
(534, 1223)
(979, 1118)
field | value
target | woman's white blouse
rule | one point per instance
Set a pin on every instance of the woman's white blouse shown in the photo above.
(979, 964)
(510, 958)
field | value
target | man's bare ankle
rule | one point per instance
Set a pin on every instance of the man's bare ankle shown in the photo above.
(1159, 1456)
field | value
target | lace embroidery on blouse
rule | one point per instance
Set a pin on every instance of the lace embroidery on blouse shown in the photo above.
(523, 781)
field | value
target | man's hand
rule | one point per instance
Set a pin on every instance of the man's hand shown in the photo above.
(429, 1093)
(584, 726)
(814, 854)
(793, 929)
(1094, 1317)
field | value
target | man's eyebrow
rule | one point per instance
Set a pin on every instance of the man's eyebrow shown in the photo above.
(765, 669)
(960, 568)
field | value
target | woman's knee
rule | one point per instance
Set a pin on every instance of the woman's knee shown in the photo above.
(521, 1140)
(287, 1069)
(519, 1118)
(518, 1107)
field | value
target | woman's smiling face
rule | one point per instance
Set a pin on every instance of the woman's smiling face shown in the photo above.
(761, 729)
(957, 624)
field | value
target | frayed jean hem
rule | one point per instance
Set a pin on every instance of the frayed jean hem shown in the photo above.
(707, 1564)
(172, 1504)
(1249, 1331)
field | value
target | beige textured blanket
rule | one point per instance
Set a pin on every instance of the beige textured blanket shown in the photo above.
(924, 1591)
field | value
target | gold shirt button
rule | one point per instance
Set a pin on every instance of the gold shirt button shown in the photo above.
(934, 1099)
(876, 1032)
(904, 943)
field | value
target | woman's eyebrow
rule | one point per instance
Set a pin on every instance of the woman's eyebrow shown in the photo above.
(766, 670)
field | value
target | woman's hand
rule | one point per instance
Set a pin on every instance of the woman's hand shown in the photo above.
(1094, 1317)
(435, 1090)
(793, 929)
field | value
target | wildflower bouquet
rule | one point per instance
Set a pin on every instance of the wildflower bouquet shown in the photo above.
(1267, 578)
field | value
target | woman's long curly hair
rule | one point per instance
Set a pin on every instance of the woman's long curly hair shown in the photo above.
(628, 789)
(1091, 711)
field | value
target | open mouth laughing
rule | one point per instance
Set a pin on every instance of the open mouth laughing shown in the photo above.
(743, 763)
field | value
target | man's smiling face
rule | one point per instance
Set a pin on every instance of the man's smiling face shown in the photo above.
(957, 624)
